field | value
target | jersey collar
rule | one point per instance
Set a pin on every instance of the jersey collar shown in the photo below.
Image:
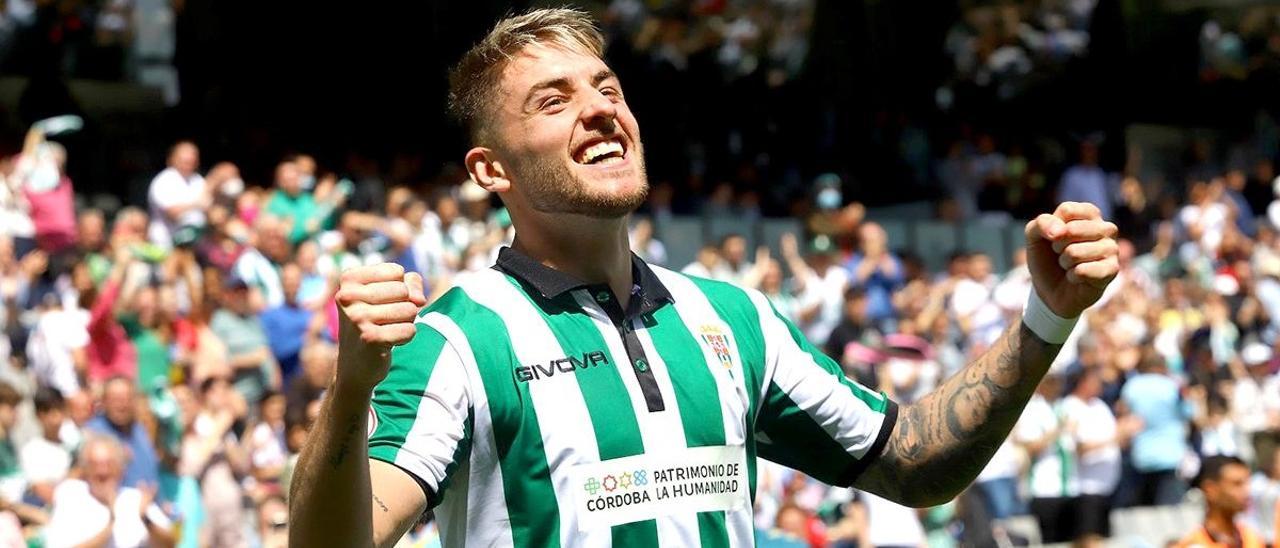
(552, 283)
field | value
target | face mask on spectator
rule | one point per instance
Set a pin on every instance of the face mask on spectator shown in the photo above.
(307, 182)
(233, 187)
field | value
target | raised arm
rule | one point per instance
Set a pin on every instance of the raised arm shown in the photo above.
(941, 443)
(338, 498)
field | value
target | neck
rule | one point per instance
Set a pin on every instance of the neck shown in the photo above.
(1220, 522)
(593, 250)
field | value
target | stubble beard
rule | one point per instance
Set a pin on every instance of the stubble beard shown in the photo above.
(554, 188)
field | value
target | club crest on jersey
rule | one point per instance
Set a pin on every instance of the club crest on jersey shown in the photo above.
(719, 343)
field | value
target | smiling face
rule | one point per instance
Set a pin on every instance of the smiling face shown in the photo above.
(564, 136)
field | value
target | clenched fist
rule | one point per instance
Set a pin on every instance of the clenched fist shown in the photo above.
(377, 306)
(1072, 255)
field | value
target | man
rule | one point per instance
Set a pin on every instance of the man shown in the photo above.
(293, 203)
(575, 395)
(119, 421)
(877, 271)
(1097, 439)
(177, 196)
(1053, 484)
(286, 325)
(252, 364)
(1225, 483)
(1157, 449)
(100, 509)
(46, 459)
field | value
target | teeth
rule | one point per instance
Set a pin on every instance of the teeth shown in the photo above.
(600, 149)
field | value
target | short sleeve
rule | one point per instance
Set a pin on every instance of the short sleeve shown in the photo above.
(812, 417)
(420, 418)
(167, 190)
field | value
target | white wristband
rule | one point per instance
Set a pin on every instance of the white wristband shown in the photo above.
(1050, 327)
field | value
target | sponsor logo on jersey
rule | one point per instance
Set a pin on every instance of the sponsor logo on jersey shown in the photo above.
(719, 343)
(567, 364)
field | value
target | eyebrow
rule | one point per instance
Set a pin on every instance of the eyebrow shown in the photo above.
(563, 82)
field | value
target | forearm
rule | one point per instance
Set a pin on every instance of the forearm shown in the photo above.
(330, 489)
(942, 442)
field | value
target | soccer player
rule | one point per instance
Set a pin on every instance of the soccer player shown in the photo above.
(574, 395)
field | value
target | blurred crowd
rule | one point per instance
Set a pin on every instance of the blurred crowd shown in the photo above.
(165, 363)
(132, 40)
(1005, 47)
(1241, 45)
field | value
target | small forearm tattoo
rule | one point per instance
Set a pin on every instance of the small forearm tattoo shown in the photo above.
(943, 441)
(380, 504)
(340, 456)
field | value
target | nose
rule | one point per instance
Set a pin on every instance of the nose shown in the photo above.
(600, 109)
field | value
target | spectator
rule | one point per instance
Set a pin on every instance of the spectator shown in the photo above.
(100, 508)
(293, 204)
(1054, 484)
(12, 482)
(1153, 397)
(253, 366)
(878, 272)
(1086, 182)
(46, 459)
(266, 444)
(177, 198)
(1225, 483)
(56, 347)
(706, 263)
(820, 284)
(119, 421)
(286, 325)
(211, 453)
(318, 360)
(973, 305)
(47, 191)
(1264, 495)
(854, 327)
(733, 265)
(273, 522)
(1097, 439)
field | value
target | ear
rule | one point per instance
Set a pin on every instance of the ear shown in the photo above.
(486, 170)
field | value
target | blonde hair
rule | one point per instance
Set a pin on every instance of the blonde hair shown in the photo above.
(473, 83)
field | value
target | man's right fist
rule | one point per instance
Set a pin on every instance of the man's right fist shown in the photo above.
(377, 307)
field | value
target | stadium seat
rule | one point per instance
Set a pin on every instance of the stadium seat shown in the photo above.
(771, 231)
(935, 241)
(988, 239)
(719, 227)
(683, 236)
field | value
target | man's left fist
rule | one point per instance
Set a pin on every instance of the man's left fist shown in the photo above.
(1072, 255)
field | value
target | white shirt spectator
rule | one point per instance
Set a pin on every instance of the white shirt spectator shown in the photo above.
(52, 345)
(828, 291)
(44, 461)
(1212, 219)
(973, 300)
(1264, 495)
(1098, 470)
(255, 269)
(169, 188)
(78, 516)
(1050, 476)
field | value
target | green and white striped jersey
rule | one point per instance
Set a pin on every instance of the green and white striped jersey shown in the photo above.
(535, 411)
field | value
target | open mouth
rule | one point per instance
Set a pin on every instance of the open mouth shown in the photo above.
(601, 152)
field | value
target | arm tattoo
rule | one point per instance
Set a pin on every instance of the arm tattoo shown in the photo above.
(943, 441)
(381, 505)
(353, 424)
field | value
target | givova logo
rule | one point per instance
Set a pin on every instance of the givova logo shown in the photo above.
(567, 364)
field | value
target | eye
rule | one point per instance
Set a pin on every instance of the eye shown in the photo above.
(611, 92)
(552, 102)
